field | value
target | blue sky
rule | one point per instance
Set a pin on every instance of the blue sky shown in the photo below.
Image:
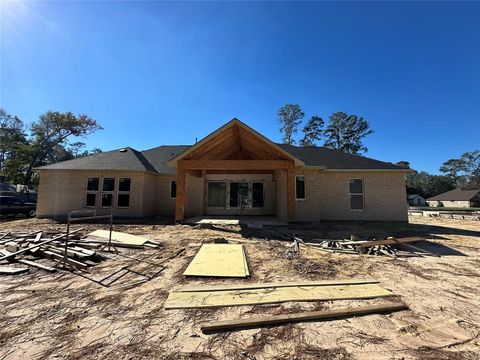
(157, 73)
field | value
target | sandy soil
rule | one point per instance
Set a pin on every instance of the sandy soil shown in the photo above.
(65, 316)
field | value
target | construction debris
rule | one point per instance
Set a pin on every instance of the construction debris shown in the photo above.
(66, 249)
(369, 247)
(221, 260)
(227, 325)
(119, 239)
(273, 294)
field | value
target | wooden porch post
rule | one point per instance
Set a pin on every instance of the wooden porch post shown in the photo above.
(291, 193)
(180, 198)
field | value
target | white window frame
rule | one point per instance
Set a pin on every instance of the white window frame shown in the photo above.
(304, 188)
(96, 192)
(108, 192)
(363, 195)
(170, 189)
(122, 192)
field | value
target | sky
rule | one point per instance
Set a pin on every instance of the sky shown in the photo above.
(156, 73)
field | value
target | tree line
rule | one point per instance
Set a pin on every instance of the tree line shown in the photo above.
(463, 172)
(344, 131)
(23, 147)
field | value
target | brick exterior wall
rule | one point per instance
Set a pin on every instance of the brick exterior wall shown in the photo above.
(327, 195)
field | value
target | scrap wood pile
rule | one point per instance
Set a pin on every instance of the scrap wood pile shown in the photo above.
(388, 246)
(30, 248)
(19, 251)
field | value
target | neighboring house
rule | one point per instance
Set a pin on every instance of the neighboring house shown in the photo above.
(416, 200)
(233, 171)
(456, 198)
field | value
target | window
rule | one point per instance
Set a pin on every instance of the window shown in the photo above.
(107, 194)
(124, 184)
(257, 194)
(123, 196)
(107, 200)
(300, 187)
(357, 202)
(217, 194)
(92, 184)
(239, 195)
(92, 189)
(108, 184)
(173, 189)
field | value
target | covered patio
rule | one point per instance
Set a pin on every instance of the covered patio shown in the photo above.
(240, 172)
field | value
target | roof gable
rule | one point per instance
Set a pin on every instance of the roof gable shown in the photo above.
(235, 141)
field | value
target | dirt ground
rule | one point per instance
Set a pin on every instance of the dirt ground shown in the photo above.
(66, 316)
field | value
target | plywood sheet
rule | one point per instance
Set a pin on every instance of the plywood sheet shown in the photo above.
(243, 286)
(224, 260)
(120, 237)
(203, 299)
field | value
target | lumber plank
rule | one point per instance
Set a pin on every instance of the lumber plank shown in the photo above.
(8, 270)
(28, 262)
(55, 256)
(392, 241)
(304, 316)
(38, 245)
(212, 299)
(277, 284)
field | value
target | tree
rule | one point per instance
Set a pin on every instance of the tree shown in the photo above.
(428, 185)
(12, 137)
(49, 138)
(312, 131)
(404, 164)
(452, 169)
(289, 117)
(345, 132)
(471, 166)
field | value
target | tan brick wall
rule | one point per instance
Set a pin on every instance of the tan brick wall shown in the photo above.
(327, 196)
(61, 191)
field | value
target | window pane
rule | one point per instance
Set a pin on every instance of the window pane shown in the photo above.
(300, 187)
(124, 184)
(92, 184)
(356, 202)
(123, 200)
(257, 194)
(173, 189)
(217, 194)
(107, 200)
(90, 199)
(234, 194)
(108, 184)
(356, 186)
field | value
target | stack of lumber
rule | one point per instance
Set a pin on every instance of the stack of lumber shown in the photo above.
(28, 248)
(386, 247)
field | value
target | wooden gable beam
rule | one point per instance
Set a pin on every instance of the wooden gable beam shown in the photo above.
(236, 164)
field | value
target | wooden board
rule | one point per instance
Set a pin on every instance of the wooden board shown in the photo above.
(204, 299)
(276, 285)
(391, 241)
(8, 270)
(120, 237)
(305, 316)
(223, 260)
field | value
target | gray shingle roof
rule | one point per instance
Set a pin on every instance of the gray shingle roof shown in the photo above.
(159, 156)
(155, 159)
(456, 195)
(130, 159)
(336, 159)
